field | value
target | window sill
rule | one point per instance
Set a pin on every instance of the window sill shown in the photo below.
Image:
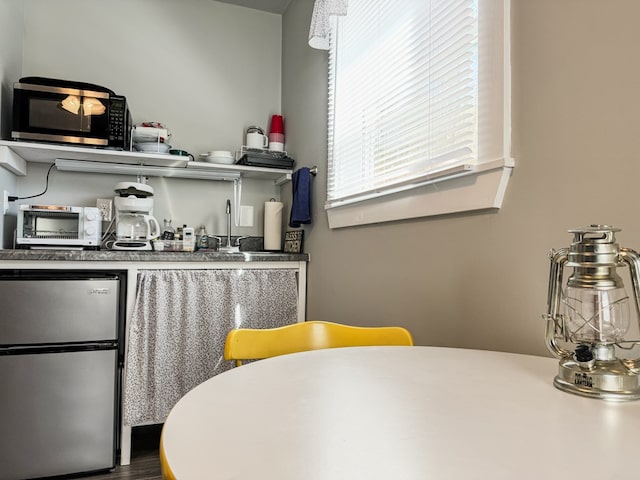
(482, 188)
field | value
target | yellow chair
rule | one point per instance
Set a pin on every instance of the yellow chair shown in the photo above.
(253, 344)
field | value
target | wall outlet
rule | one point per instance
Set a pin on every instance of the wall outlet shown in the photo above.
(5, 203)
(246, 216)
(105, 205)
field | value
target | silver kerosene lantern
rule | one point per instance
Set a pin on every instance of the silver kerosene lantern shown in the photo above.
(587, 322)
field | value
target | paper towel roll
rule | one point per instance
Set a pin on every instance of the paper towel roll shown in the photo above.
(273, 225)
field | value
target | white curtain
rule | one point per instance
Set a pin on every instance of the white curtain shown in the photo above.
(320, 28)
(179, 325)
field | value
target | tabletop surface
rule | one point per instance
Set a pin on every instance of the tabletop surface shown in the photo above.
(398, 413)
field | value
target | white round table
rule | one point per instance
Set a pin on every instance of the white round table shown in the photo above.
(398, 413)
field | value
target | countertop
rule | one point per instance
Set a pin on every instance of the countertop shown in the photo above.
(148, 256)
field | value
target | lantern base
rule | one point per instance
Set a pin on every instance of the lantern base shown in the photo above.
(607, 380)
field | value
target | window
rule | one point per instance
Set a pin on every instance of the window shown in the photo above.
(418, 109)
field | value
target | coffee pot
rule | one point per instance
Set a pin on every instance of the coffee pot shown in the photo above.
(135, 225)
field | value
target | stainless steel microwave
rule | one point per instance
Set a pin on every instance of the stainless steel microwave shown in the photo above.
(55, 226)
(61, 111)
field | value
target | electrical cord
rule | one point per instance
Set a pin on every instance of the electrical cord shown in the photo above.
(46, 187)
(108, 233)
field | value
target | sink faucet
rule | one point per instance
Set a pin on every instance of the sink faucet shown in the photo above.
(228, 248)
(228, 212)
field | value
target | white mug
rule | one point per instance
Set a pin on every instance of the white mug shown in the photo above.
(257, 140)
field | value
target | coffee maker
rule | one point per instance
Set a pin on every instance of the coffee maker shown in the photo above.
(135, 225)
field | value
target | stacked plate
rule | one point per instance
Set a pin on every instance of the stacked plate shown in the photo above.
(218, 156)
(152, 147)
(151, 137)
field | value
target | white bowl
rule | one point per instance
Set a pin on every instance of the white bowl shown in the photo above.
(218, 156)
(152, 147)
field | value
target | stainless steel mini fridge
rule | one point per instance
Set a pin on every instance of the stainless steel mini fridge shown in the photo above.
(60, 363)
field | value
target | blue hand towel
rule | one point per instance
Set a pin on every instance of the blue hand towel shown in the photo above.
(301, 205)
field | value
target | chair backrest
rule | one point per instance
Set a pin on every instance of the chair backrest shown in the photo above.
(250, 344)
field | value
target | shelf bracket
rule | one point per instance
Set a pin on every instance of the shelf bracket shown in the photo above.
(283, 179)
(12, 161)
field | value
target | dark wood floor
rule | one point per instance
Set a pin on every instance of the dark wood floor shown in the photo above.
(145, 461)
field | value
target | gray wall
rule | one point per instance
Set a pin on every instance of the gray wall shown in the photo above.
(480, 280)
(10, 57)
(204, 68)
(10, 69)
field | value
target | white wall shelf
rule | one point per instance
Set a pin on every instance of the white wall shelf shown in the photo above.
(15, 155)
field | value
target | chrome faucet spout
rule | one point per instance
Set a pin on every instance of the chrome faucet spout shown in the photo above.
(228, 248)
(228, 211)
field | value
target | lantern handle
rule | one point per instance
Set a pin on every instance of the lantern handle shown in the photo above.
(555, 323)
(631, 258)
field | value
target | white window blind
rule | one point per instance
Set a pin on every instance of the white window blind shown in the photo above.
(415, 93)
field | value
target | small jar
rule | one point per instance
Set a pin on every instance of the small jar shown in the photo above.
(168, 232)
(203, 238)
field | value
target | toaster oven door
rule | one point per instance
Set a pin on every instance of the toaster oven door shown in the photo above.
(49, 227)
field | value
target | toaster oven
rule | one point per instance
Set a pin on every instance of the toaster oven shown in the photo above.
(53, 226)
